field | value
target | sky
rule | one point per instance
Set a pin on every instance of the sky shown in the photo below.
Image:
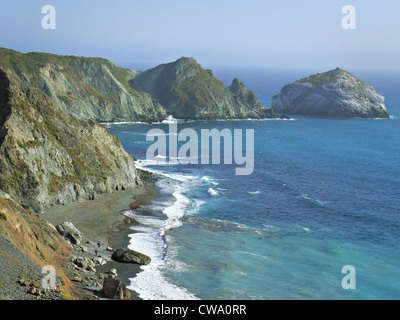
(135, 34)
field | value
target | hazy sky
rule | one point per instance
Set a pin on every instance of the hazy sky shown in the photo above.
(257, 33)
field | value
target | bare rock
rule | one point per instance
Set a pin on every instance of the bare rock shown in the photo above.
(336, 93)
(130, 256)
(70, 232)
(115, 289)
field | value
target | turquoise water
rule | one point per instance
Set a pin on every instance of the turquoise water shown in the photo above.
(323, 194)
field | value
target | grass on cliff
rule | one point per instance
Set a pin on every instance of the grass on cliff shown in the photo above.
(323, 78)
(3, 216)
(329, 77)
(200, 90)
(71, 66)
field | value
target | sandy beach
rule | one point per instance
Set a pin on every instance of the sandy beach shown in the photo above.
(101, 220)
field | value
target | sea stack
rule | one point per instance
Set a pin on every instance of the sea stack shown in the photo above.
(336, 93)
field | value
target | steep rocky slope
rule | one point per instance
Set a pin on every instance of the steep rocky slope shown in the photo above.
(28, 243)
(49, 158)
(88, 88)
(336, 93)
(186, 90)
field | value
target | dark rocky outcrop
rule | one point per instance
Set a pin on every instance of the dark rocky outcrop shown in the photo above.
(130, 256)
(336, 93)
(115, 289)
(187, 91)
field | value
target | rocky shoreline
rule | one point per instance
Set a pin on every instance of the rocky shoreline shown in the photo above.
(95, 263)
(100, 252)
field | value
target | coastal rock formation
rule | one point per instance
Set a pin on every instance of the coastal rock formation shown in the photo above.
(130, 256)
(187, 91)
(99, 90)
(69, 232)
(336, 93)
(87, 88)
(115, 289)
(48, 158)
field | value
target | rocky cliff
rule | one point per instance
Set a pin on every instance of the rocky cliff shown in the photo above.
(188, 91)
(47, 157)
(99, 90)
(336, 93)
(88, 88)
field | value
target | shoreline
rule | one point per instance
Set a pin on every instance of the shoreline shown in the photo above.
(101, 221)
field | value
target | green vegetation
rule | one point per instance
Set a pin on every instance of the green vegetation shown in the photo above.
(29, 144)
(56, 183)
(328, 77)
(72, 66)
(61, 280)
(323, 78)
(22, 145)
(34, 143)
(200, 90)
(3, 216)
(64, 97)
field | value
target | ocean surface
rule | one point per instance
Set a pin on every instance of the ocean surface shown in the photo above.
(324, 194)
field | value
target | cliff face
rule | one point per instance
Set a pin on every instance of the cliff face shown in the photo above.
(49, 158)
(186, 90)
(99, 90)
(88, 88)
(336, 93)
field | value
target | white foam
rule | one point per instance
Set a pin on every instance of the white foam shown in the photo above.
(146, 221)
(322, 203)
(278, 119)
(209, 180)
(305, 197)
(171, 119)
(253, 192)
(176, 212)
(151, 238)
(122, 122)
(150, 283)
(271, 228)
(144, 163)
(212, 192)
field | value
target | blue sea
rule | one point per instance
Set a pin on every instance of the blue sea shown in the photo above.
(324, 194)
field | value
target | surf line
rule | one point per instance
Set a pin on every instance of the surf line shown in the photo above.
(188, 153)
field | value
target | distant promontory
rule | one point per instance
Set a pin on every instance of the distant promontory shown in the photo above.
(336, 93)
(99, 90)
